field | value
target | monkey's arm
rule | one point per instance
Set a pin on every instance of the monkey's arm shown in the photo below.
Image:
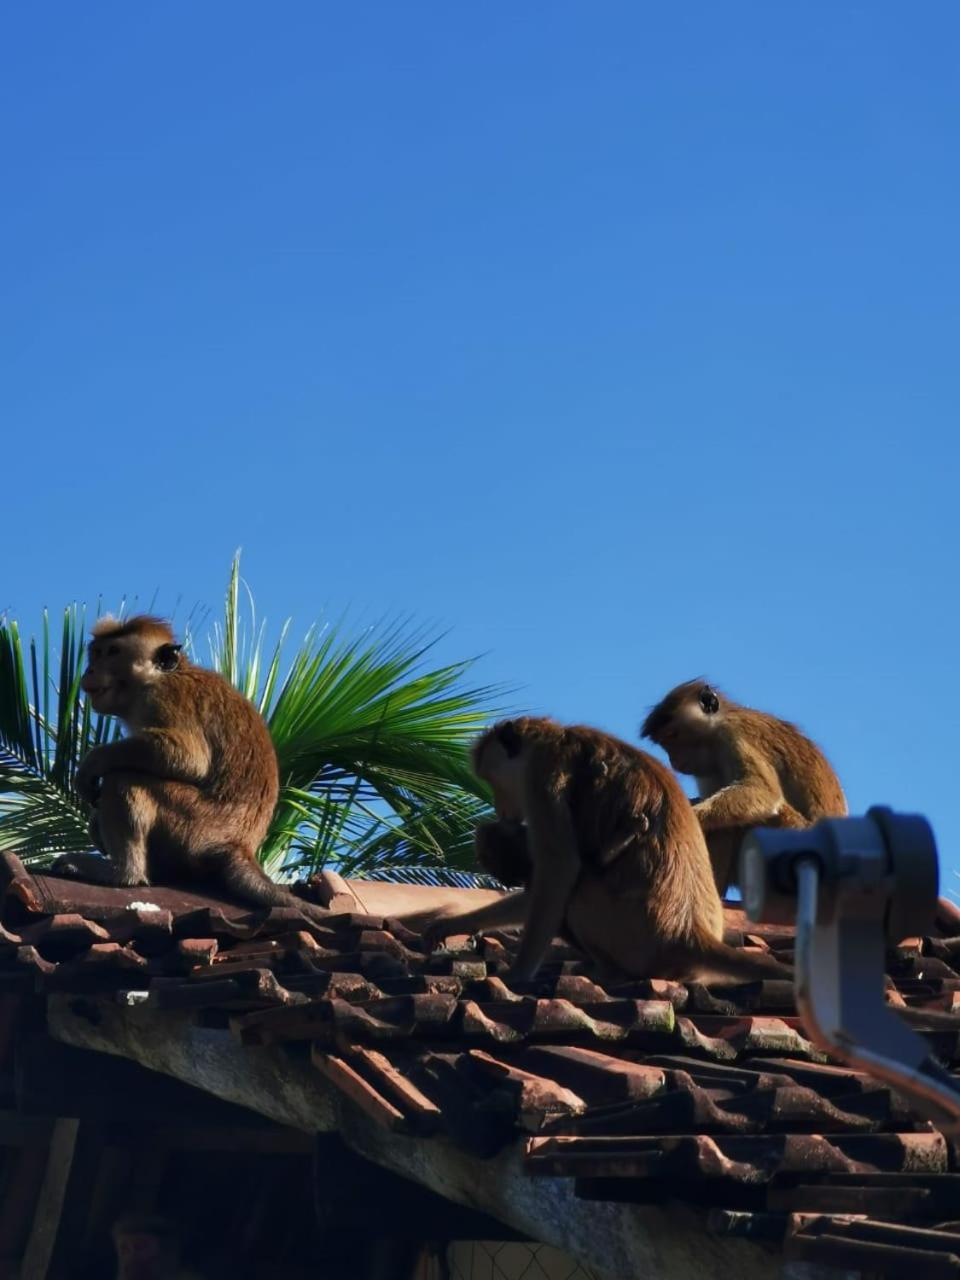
(755, 798)
(556, 864)
(510, 909)
(175, 754)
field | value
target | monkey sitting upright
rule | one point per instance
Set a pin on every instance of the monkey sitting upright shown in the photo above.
(752, 769)
(190, 793)
(610, 852)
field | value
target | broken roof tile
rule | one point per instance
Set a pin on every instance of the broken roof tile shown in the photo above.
(350, 1082)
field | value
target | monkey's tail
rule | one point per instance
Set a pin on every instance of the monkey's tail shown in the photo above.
(246, 879)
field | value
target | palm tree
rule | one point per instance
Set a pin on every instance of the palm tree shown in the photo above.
(371, 744)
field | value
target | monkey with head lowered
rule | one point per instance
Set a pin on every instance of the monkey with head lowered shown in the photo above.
(752, 769)
(190, 792)
(610, 852)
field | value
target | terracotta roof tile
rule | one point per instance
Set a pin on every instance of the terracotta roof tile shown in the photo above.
(736, 1158)
(637, 1090)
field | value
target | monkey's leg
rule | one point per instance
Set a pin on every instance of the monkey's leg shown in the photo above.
(724, 848)
(724, 844)
(126, 813)
(605, 924)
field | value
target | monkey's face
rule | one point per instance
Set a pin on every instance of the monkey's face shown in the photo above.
(504, 773)
(120, 668)
(685, 724)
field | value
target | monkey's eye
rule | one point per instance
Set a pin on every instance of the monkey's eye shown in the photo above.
(709, 702)
(167, 657)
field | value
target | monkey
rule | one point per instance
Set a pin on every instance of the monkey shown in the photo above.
(617, 860)
(190, 792)
(752, 769)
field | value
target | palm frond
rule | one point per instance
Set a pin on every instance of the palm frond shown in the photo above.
(371, 741)
(37, 820)
(40, 812)
(448, 877)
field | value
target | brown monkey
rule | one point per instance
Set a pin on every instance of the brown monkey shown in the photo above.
(751, 768)
(189, 794)
(616, 857)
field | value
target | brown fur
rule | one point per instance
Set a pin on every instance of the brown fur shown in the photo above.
(616, 858)
(190, 792)
(753, 769)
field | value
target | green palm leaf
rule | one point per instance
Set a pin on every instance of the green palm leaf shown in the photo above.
(371, 746)
(40, 813)
(371, 742)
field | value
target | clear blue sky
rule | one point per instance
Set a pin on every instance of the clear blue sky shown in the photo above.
(620, 339)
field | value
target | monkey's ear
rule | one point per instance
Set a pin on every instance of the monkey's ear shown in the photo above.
(167, 657)
(709, 701)
(510, 739)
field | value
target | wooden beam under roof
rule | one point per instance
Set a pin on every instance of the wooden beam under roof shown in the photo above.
(668, 1241)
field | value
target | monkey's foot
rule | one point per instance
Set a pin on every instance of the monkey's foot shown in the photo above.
(84, 866)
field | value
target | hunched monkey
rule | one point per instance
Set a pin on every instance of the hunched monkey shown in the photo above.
(752, 769)
(617, 859)
(190, 793)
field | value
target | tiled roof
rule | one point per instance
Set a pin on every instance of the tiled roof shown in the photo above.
(649, 1091)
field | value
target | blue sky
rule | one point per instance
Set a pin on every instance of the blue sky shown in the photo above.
(620, 339)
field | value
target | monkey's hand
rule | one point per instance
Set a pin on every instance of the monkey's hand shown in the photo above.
(752, 801)
(433, 929)
(435, 933)
(787, 816)
(92, 768)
